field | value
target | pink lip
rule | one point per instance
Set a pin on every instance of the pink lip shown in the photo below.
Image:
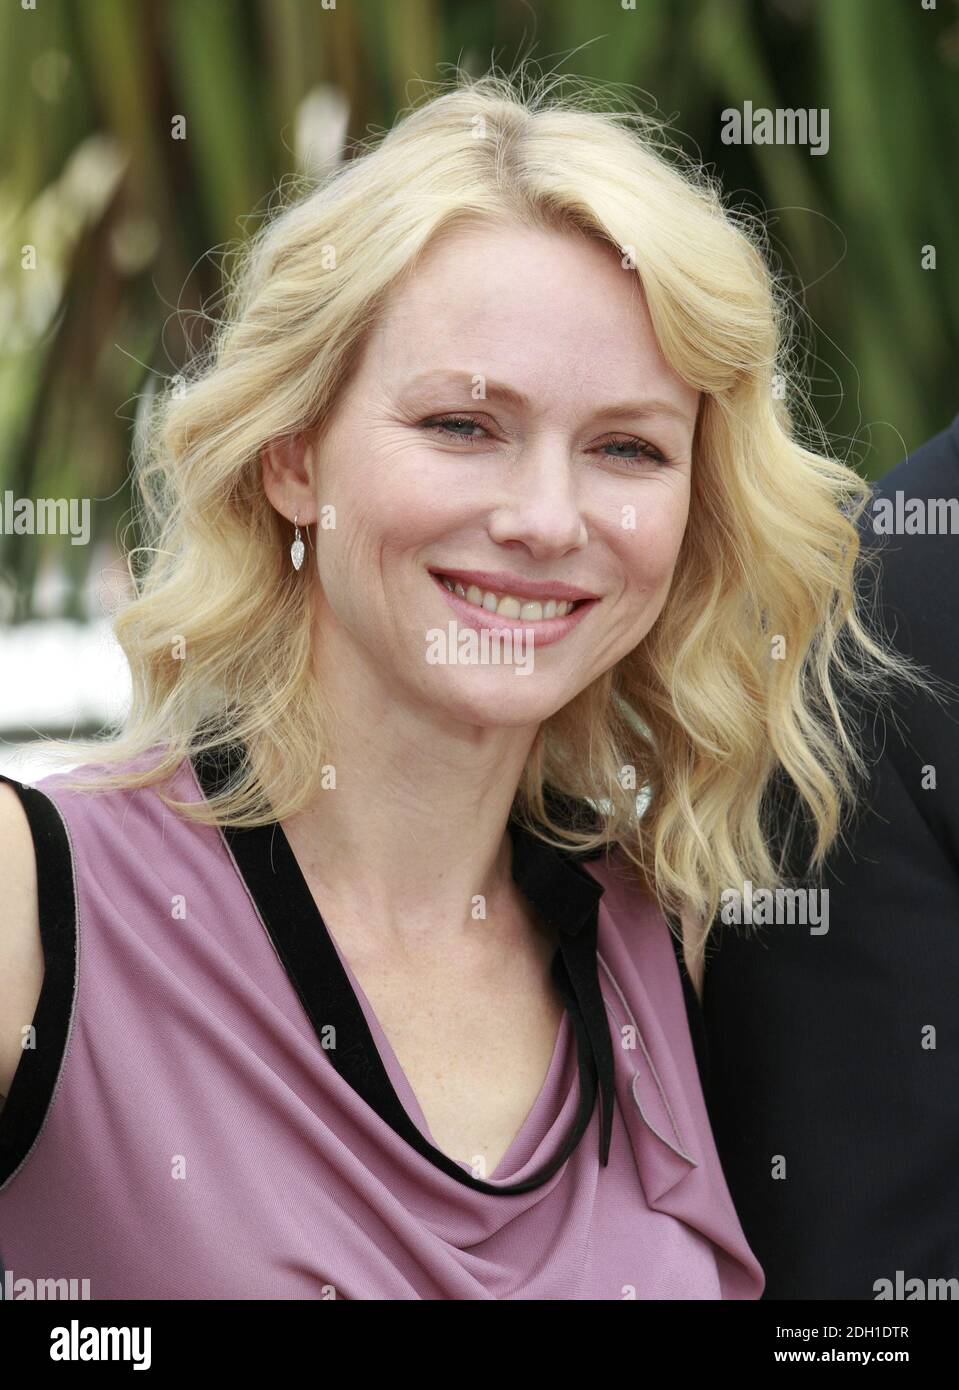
(503, 582)
(546, 630)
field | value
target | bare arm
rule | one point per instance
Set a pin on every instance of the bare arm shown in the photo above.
(21, 954)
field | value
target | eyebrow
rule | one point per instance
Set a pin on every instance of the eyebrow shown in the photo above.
(498, 390)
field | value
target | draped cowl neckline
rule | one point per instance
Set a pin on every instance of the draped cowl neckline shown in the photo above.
(560, 890)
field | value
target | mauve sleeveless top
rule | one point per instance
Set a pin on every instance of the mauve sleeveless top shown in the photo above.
(180, 1131)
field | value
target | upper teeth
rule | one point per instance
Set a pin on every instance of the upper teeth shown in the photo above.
(507, 605)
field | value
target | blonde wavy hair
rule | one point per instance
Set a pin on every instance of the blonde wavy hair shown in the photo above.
(737, 683)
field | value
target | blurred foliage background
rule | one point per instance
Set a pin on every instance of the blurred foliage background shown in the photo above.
(122, 216)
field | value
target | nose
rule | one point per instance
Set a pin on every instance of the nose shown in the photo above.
(542, 509)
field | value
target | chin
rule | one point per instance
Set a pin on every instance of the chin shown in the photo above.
(500, 704)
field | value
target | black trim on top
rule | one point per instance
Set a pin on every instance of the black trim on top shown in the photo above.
(34, 1081)
(694, 1012)
(564, 894)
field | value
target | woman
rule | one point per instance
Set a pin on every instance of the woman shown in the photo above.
(488, 593)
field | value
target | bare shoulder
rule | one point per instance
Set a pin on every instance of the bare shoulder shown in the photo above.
(21, 954)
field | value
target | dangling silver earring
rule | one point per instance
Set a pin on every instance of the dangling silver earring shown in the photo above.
(297, 549)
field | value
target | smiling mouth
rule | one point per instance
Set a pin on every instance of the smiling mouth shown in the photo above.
(509, 605)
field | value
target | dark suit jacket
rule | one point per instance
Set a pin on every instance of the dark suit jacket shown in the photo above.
(816, 1042)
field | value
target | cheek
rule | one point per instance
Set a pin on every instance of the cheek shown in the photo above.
(374, 532)
(650, 548)
(395, 495)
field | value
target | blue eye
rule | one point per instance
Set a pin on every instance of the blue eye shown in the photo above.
(454, 427)
(646, 450)
(443, 422)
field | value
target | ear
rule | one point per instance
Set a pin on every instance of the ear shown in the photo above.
(287, 466)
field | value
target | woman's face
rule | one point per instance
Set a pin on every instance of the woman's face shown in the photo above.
(513, 426)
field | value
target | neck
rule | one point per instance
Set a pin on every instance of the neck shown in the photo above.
(415, 829)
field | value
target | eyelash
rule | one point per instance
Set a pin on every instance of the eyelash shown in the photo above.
(648, 451)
